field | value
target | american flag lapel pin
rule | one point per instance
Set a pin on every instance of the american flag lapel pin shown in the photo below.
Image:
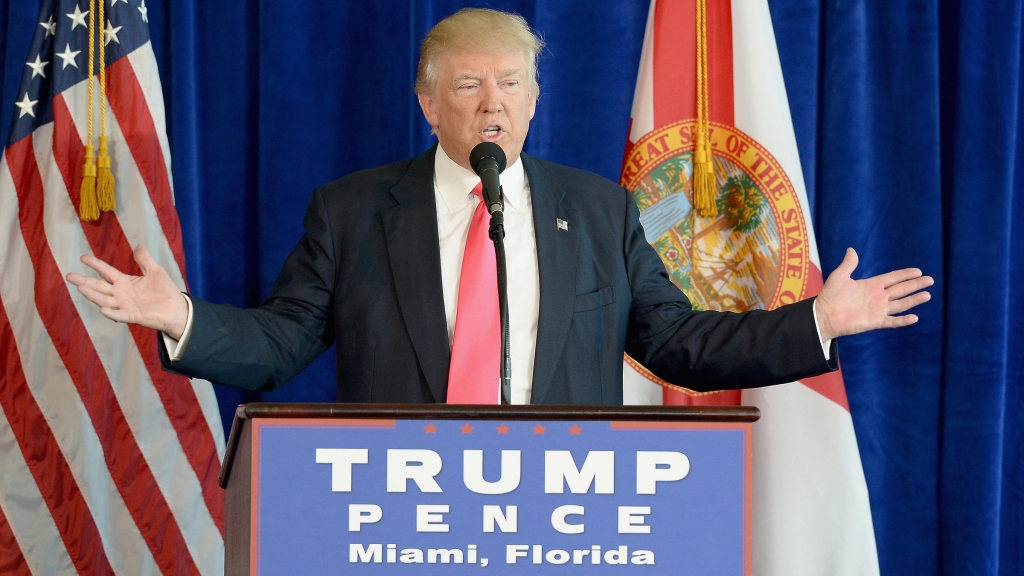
(562, 224)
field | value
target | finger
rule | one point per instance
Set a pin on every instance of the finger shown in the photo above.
(106, 271)
(115, 314)
(144, 259)
(97, 298)
(899, 321)
(904, 304)
(848, 265)
(75, 278)
(897, 291)
(96, 284)
(896, 276)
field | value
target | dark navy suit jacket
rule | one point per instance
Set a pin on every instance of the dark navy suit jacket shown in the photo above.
(367, 276)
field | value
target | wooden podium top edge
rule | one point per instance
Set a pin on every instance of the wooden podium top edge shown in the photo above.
(288, 410)
(482, 412)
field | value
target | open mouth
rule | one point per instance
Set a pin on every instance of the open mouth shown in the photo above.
(492, 131)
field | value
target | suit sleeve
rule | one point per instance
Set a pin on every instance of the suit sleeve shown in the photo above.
(709, 350)
(264, 347)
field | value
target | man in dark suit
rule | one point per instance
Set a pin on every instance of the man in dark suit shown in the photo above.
(378, 270)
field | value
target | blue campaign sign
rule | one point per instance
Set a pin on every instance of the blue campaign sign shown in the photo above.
(452, 497)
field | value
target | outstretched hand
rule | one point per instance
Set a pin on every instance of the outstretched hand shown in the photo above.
(846, 306)
(151, 300)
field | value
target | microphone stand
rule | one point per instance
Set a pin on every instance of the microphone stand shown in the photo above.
(497, 234)
(488, 160)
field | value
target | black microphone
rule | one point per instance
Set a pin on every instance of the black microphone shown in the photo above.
(488, 160)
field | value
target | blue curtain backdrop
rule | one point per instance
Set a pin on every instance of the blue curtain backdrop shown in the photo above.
(907, 117)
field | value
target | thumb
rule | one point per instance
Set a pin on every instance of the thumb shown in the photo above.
(144, 259)
(848, 265)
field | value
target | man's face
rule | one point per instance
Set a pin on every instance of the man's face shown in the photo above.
(480, 97)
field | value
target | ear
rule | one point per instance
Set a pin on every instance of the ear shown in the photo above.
(533, 106)
(429, 107)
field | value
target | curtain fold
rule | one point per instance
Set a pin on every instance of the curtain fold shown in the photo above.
(878, 189)
(907, 116)
(981, 466)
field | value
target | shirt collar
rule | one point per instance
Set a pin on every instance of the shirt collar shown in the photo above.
(455, 184)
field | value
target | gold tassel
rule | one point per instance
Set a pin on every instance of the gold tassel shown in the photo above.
(104, 179)
(88, 206)
(88, 203)
(705, 188)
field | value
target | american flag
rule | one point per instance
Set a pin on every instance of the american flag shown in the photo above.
(108, 464)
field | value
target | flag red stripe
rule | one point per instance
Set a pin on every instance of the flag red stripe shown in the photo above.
(12, 561)
(671, 397)
(49, 468)
(675, 98)
(124, 459)
(720, 75)
(831, 386)
(132, 112)
(109, 243)
(675, 61)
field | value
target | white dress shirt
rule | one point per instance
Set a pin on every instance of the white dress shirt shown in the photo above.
(455, 204)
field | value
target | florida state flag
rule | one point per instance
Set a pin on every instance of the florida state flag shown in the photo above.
(712, 162)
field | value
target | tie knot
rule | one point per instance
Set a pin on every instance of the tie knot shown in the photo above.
(478, 190)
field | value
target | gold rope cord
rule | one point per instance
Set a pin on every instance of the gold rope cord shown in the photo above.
(104, 177)
(704, 185)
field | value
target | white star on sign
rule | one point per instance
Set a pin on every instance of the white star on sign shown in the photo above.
(144, 11)
(78, 17)
(51, 27)
(112, 2)
(26, 106)
(111, 33)
(37, 67)
(68, 56)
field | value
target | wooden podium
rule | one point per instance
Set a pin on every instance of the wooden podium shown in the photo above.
(436, 489)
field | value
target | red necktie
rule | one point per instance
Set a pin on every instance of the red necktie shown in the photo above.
(473, 377)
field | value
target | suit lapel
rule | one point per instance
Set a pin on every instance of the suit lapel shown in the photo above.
(414, 252)
(556, 261)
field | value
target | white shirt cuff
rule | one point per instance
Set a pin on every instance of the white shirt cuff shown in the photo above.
(176, 348)
(826, 345)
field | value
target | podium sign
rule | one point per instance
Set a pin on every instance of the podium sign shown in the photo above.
(449, 496)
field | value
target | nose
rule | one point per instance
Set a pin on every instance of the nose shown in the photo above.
(490, 97)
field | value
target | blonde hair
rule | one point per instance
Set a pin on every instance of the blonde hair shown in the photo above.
(478, 29)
